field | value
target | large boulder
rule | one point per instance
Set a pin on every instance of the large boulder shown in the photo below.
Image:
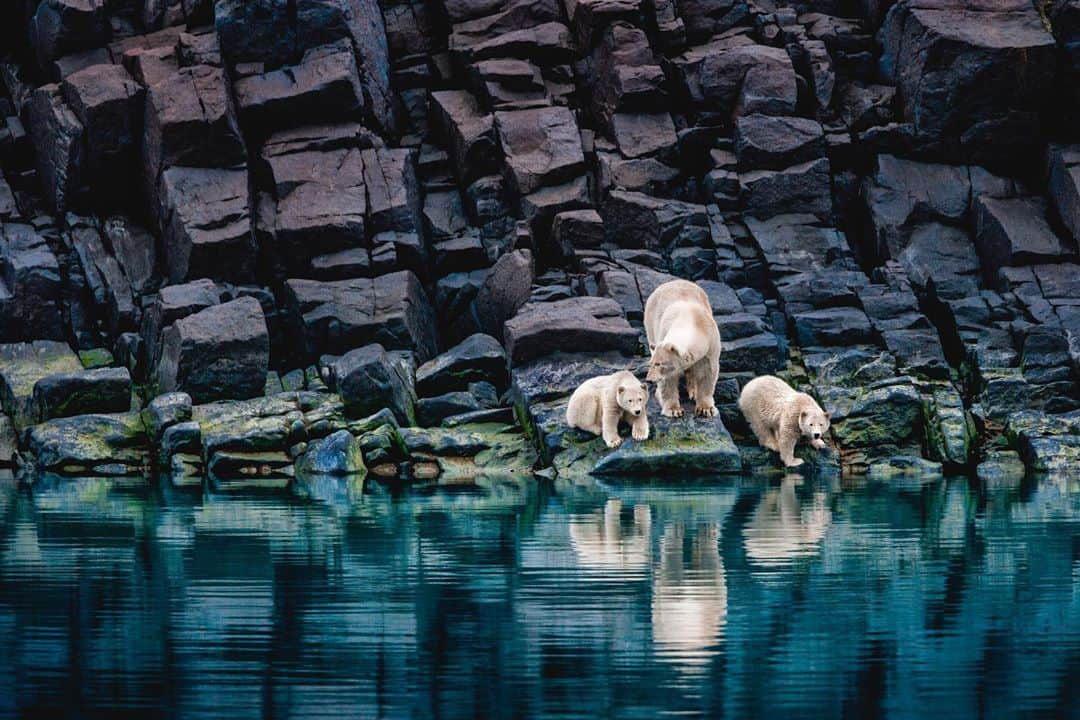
(222, 352)
(62, 27)
(105, 278)
(337, 454)
(369, 379)
(393, 191)
(90, 445)
(190, 121)
(764, 142)
(625, 74)
(802, 188)
(334, 317)
(1064, 186)
(506, 287)
(469, 133)
(106, 390)
(636, 220)
(58, 140)
(1015, 231)
(575, 324)
(735, 76)
(977, 73)
(903, 194)
(477, 358)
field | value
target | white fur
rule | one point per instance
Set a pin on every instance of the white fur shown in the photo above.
(600, 403)
(684, 340)
(778, 415)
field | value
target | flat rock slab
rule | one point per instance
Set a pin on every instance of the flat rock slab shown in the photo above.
(105, 390)
(90, 445)
(568, 325)
(686, 446)
(22, 365)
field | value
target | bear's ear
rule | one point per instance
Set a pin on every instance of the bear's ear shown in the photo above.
(622, 389)
(644, 388)
(802, 415)
(828, 416)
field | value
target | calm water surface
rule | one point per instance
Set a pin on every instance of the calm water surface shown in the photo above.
(745, 598)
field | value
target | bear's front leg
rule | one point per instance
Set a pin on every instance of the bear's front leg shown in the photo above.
(639, 429)
(702, 378)
(611, 429)
(667, 394)
(785, 442)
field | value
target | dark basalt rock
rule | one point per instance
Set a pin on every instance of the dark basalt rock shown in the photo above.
(107, 390)
(477, 358)
(960, 47)
(335, 316)
(190, 121)
(206, 224)
(337, 454)
(568, 325)
(325, 85)
(30, 286)
(368, 379)
(1015, 231)
(221, 352)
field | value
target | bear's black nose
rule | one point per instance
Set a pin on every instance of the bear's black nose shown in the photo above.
(817, 436)
(637, 412)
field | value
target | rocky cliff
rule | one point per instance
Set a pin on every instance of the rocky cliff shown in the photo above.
(255, 239)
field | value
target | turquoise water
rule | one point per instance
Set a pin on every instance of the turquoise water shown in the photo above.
(747, 598)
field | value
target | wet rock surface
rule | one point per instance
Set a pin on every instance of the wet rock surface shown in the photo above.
(251, 241)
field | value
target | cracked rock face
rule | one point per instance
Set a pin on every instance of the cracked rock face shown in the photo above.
(338, 235)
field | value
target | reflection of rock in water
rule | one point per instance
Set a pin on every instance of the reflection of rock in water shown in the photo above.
(689, 595)
(606, 541)
(783, 529)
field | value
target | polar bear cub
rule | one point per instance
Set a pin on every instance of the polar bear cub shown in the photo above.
(778, 415)
(600, 403)
(684, 340)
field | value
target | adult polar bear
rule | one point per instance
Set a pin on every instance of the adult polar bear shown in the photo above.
(684, 340)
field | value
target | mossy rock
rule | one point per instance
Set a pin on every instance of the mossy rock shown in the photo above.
(903, 467)
(113, 444)
(22, 365)
(677, 447)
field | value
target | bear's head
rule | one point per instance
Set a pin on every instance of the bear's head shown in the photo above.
(668, 360)
(632, 396)
(813, 424)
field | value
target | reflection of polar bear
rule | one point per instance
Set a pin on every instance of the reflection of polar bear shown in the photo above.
(689, 595)
(602, 542)
(781, 530)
